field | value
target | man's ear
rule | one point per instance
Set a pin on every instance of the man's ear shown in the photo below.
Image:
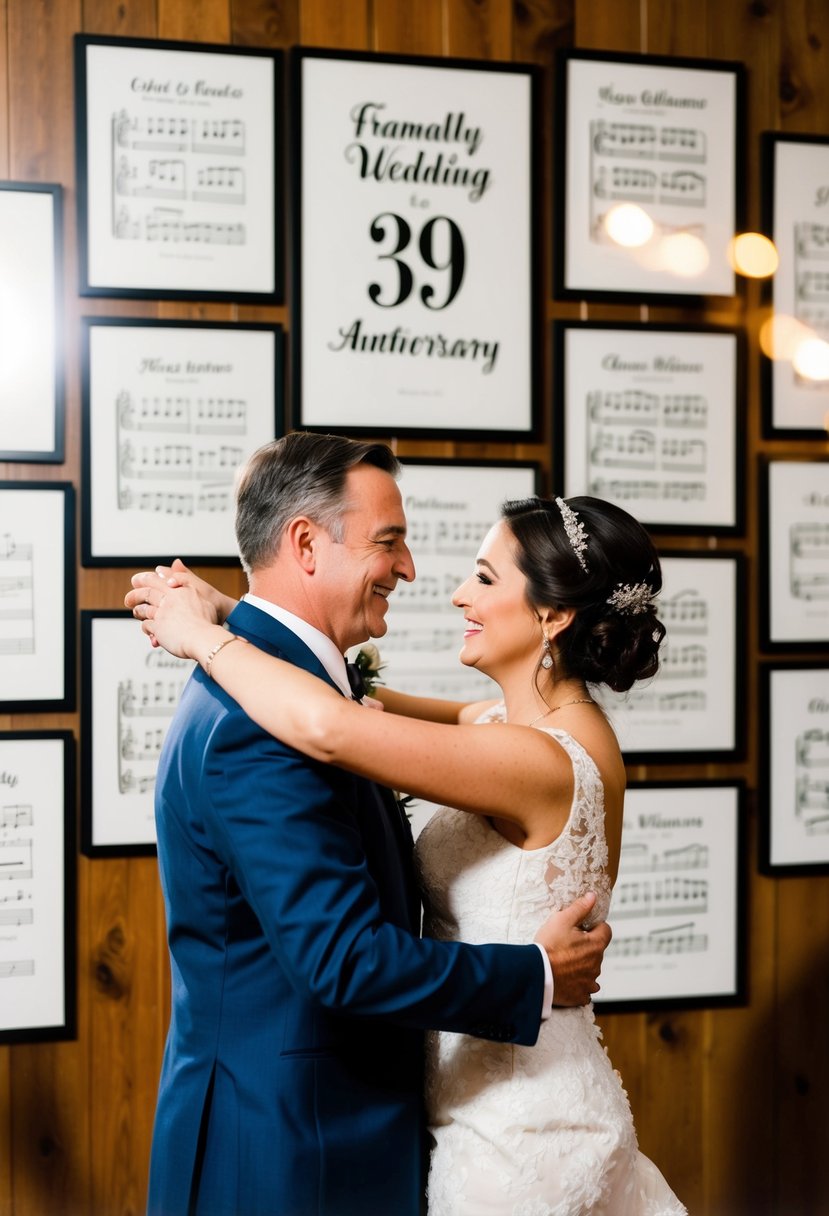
(300, 539)
(555, 620)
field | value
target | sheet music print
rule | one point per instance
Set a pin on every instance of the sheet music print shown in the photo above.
(17, 608)
(671, 897)
(798, 551)
(659, 166)
(176, 178)
(799, 766)
(144, 709)
(178, 453)
(812, 781)
(647, 447)
(31, 883)
(811, 276)
(809, 561)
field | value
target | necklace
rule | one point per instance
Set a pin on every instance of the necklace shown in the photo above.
(547, 712)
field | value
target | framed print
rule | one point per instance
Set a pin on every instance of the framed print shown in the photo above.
(415, 290)
(129, 692)
(37, 596)
(450, 506)
(170, 411)
(795, 716)
(796, 218)
(794, 512)
(179, 191)
(689, 710)
(678, 904)
(37, 886)
(648, 417)
(31, 370)
(648, 185)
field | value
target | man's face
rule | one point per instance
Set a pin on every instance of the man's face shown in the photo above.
(358, 574)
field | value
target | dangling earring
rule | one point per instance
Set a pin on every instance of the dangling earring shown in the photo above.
(546, 658)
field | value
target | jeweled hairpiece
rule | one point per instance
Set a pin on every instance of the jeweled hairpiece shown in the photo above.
(576, 533)
(631, 600)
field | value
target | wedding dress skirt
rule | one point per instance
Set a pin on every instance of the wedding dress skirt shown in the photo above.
(528, 1131)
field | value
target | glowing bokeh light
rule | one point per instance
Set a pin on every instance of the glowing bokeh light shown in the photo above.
(811, 359)
(628, 225)
(780, 336)
(684, 254)
(753, 255)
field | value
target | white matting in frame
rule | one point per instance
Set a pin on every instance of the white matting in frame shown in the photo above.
(177, 169)
(415, 274)
(676, 909)
(659, 134)
(690, 705)
(37, 598)
(37, 849)
(796, 523)
(130, 693)
(449, 507)
(796, 751)
(796, 203)
(649, 421)
(171, 410)
(31, 370)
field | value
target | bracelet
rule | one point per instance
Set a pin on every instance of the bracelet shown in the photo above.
(208, 662)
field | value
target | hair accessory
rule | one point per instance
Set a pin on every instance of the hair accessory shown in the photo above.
(208, 662)
(631, 600)
(575, 530)
(546, 658)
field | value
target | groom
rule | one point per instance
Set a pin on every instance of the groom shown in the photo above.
(292, 1076)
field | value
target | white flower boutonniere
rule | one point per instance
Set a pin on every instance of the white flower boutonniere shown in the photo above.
(368, 664)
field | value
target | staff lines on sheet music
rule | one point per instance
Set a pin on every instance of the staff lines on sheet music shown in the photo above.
(643, 489)
(668, 896)
(809, 561)
(676, 939)
(16, 859)
(144, 710)
(168, 179)
(17, 969)
(168, 224)
(178, 133)
(639, 858)
(19, 815)
(615, 448)
(17, 590)
(182, 415)
(634, 407)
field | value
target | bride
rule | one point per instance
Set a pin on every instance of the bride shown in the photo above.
(562, 597)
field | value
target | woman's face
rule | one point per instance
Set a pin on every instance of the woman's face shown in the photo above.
(501, 629)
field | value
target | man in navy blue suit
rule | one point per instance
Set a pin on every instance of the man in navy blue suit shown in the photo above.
(292, 1076)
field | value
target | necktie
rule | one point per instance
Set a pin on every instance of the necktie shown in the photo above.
(355, 681)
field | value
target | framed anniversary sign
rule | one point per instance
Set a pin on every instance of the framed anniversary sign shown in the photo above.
(794, 513)
(414, 277)
(648, 195)
(37, 891)
(37, 596)
(171, 409)
(678, 911)
(31, 370)
(795, 724)
(179, 192)
(129, 693)
(450, 506)
(648, 417)
(691, 708)
(796, 218)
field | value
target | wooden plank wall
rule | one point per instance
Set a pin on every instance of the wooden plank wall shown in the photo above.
(733, 1104)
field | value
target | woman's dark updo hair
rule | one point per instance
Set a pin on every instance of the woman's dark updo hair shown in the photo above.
(602, 645)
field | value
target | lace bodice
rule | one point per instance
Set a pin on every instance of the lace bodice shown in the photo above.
(459, 898)
(527, 1131)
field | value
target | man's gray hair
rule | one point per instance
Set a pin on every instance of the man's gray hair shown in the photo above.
(301, 474)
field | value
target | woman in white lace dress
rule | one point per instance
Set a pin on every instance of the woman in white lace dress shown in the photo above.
(562, 597)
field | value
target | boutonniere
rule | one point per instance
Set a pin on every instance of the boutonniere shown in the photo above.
(369, 666)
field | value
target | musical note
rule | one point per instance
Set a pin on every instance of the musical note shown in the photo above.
(678, 940)
(16, 969)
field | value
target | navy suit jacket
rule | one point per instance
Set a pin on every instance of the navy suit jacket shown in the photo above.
(292, 1075)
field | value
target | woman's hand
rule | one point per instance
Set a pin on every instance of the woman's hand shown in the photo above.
(175, 617)
(179, 575)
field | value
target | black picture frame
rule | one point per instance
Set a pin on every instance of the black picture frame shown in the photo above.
(792, 166)
(170, 410)
(37, 639)
(679, 903)
(636, 110)
(31, 249)
(692, 709)
(794, 552)
(38, 916)
(640, 420)
(476, 369)
(146, 111)
(794, 738)
(129, 692)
